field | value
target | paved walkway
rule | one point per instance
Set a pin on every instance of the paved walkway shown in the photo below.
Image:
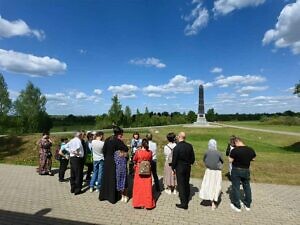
(27, 198)
(261, 130)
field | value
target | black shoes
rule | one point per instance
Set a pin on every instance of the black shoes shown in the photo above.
(78, 192)
(181, 206)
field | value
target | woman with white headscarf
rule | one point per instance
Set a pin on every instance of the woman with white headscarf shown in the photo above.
(212, 180)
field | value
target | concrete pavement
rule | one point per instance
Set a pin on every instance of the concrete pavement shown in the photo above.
(27, 198)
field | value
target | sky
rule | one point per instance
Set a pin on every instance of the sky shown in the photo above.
(153, 53)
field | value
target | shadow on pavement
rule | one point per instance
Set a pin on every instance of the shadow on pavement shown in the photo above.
(9, 217)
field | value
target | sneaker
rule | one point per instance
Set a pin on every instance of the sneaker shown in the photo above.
(97, 190)
(235, 208)
(245, 207)
(213, 206)
(175, 192)
(126, 199)
(91, 190)
(168, 191)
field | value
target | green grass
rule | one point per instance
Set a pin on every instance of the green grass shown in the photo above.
(277, 159)
(72, 128)
(260, 125)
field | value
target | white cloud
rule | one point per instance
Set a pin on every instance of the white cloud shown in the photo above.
(18, 28)
(216, 70)
(148, 62)
(29, 64)
(81, 95)
(154, 95)
(258, 104)
(57, 97)
(197, 19)
(82, 51)
(98, 91)
(223, 81)
(124, 90)
(223, 7)
(250, 89)
(178, 84)
(226, 96)
(286, 32)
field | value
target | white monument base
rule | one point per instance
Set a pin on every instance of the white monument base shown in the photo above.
(201, 121)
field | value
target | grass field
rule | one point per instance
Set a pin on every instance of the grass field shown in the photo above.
(260, 125)
(277, 160)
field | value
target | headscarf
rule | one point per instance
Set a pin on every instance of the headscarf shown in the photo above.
(212, 144)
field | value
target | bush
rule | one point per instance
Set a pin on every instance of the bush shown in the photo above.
(281, 120)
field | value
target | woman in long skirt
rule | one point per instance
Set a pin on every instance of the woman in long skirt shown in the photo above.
(169, 176)
(142, 186)
(212, 181)
(120, 158)
(45, 155)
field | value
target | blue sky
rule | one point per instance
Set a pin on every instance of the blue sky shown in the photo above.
(246, 53)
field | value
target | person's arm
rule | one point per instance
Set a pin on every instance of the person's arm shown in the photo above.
(228, 149)
(221, 158)
(204, 157)
(231, 155)
(175, 157)
(192, 156)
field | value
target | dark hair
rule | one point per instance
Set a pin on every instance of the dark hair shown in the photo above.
(45, 133)
(232, 140)
(99, 133)
(63, 139)
(145, 144)
(171, 137)
(136, 133)
(89, 135)
(149, 136)
(117, 130)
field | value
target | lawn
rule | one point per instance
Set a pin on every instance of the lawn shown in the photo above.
(260, 125)
(277, 160)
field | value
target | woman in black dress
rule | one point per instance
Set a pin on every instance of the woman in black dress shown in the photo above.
(109, 188)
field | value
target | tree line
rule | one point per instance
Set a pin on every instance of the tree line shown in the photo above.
(27, 114)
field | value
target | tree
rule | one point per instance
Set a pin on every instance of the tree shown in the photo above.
(5, 104)
(31, 111)
(115, 112)
(191, 116)
(297, 89)
(127, 117)
(210, 115)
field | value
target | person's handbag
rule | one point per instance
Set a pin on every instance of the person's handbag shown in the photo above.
(145, 168)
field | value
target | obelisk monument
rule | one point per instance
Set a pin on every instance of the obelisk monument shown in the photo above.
(201, 120)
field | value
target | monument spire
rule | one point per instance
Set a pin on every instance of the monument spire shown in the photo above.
(201, 120)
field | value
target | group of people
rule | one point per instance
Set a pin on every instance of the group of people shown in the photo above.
(107, 171)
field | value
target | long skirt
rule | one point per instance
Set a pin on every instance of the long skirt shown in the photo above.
(169, 177)
(45, 162)
(121, 171)
(211, 185)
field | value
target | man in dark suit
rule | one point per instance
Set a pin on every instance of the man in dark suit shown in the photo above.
(183, 158)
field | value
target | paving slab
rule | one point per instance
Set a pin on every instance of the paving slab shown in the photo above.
(28, 198)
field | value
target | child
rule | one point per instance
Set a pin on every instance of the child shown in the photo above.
(64, 159)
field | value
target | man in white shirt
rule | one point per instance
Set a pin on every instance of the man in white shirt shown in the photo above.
(75, 148)
(98, 158)
(153, 148)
